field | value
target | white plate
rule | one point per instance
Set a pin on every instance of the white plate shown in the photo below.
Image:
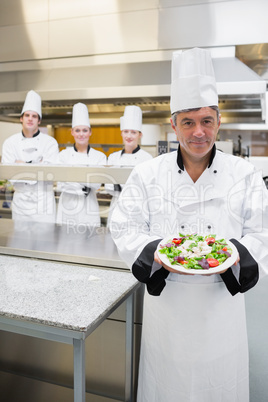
(180, 268)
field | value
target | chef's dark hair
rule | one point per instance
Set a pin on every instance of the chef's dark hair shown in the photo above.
(175, 114)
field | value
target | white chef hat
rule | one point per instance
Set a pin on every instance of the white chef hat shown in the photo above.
(132, 119)
(32, 103)
(80, 115)
(193, 83)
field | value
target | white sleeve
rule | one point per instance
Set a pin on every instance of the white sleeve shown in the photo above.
(130, 221)
(255, 233)
(8, 152)
(10, 155)
(51, 151)
(253, 245)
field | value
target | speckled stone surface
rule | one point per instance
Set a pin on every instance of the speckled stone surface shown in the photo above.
(61, 295)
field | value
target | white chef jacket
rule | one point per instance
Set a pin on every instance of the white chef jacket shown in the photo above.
(121, 158)
(32, 200)
(194, 338)
(78, 206)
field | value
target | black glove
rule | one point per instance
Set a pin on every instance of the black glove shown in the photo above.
(142, 268)
(248, 275)
(86, 190)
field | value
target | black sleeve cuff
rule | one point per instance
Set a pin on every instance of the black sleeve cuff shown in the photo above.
(117, 187)
(142, 269)
(248, 275)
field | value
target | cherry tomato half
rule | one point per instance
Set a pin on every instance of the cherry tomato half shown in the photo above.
(210, 240)
(212, 262)
(177, 241)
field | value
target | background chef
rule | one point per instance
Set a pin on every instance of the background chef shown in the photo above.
(194, 339)
(32, 201)
(132, 154)
(78, 204)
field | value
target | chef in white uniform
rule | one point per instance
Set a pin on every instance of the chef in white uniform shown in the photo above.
(78, 204)
(194, 339)
(32, 200)
(132, 154)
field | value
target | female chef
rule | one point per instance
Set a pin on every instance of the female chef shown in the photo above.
(32, 201)
(132, 154)
(194, 335)
(78, 204)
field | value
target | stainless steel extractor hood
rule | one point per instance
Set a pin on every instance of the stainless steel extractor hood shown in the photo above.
(109, 82)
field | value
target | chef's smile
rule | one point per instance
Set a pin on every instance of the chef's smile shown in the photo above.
(199, 143)
(130, 139)
(81, 134)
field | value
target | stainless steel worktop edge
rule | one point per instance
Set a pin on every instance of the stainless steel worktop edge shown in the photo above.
(94, 247)
(67, 258)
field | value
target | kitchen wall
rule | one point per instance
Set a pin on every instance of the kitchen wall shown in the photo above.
(51, 46)
(39, 38)
(55, 29)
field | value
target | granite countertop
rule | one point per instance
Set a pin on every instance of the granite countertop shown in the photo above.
(62, 295)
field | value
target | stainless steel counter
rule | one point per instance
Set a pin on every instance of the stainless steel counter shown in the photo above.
(55, 173)
(81, 245)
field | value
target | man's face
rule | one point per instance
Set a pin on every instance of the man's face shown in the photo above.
(81, 135)
(196, 131)
(30, 121)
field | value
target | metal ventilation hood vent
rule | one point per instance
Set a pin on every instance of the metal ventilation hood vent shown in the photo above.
(235, 78)
(108, 83)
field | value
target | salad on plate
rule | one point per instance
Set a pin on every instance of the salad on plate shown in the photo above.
(197, 252)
